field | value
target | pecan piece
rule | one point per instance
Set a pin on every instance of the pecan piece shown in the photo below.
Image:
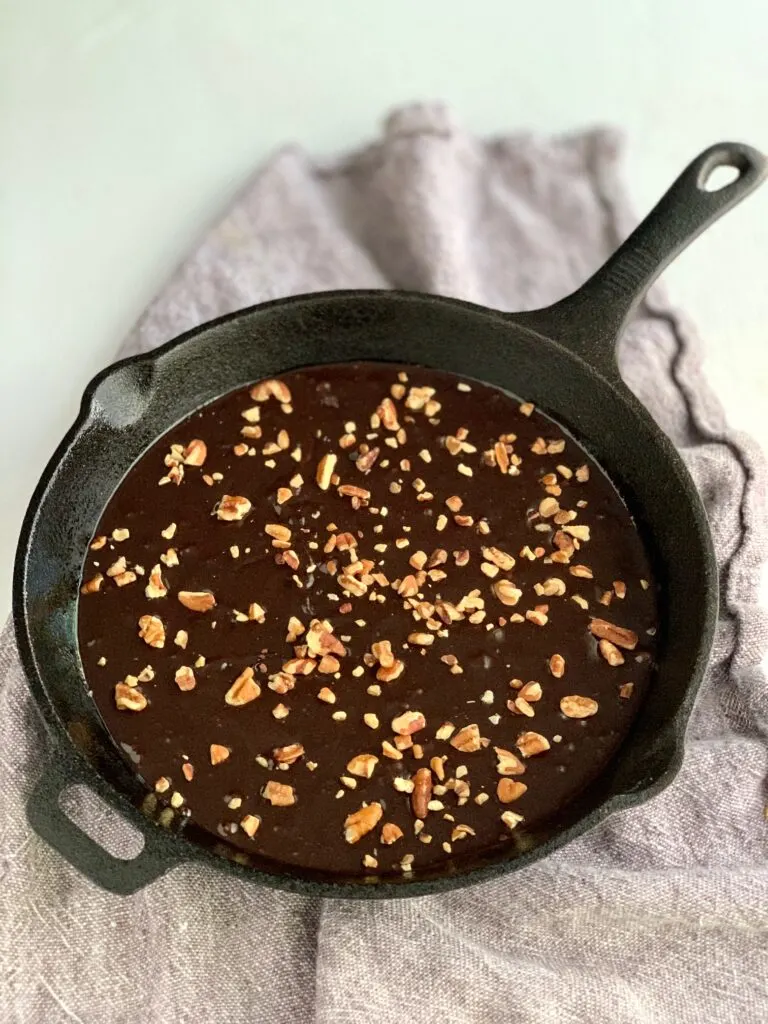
(155, 586)
(325, 469)
(617, 635)
(197, 600)
(266, 389)
(360, 823)
(511, 820)
(243, 690)
(250, 825)
(557, 666)
(467, 739)
(362, 765)
(152, 630)
(92, 586)
(195, 453)
(129, 698)
(508, 763)
(219, 753)
(509, 790)
(232, 507)
(531, 743)
(422, 792)
(288, 754)
(390, 833)
(610, 652)
(408, 723)
(506, 592)
(184, 678)
(278, 794)
(574, 706)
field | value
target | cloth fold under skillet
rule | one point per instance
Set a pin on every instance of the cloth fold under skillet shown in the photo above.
(661, 914)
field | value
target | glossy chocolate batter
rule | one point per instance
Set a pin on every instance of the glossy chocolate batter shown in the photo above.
(364, 618)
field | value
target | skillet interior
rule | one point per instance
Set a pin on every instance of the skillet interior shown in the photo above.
(132, 403)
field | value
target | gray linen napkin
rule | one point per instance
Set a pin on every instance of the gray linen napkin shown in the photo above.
(659, 915)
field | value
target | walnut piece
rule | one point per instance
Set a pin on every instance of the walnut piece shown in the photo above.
(506, 592)
(408, 723)
(185, 678)
(508, 763)
(195, 453)
(362, 765)
(219, 753)
(288, 754)
(390, 833)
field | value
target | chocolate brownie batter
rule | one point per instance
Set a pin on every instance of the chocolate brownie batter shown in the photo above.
(366, 618)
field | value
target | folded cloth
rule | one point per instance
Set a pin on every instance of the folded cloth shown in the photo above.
(660, 914)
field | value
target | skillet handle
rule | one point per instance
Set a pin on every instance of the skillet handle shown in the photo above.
(48, 819)
(589, 321)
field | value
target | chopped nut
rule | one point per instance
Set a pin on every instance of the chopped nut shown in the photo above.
(169, 531)
(219, 753)
(271, 388)
(92, 585)
(557, 666)
(325, 470)
(467, 739)
(120, 535)
(390, 673)
(155, 586)
(610, 652)
(531, 743)
(129, 698)
(278, 794)
(422, 792)
(278, 532)
(421, 639)
(243, 690)
(362, 765)
(185, 678)
(98, 542)
(152, 630)
(288, 754)
(181, 639)
(195, 453)
(327, 695)
(232, 507)
(390, 750)
(511, 820)
(626, 690)
(536, 617)
(390, 833)
(250, 825)
(531, 691)
(197, 600)
(361, 822)
(617, 635)
(509, 790)
(408, 723)
(506, 592)
(188, 771)
(574, 706)
(508, 763)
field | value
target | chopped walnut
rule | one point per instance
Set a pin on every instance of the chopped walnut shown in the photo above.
(508, 763)
(195, 453)
(129, 698)
(506, 592)
(92, 585)
(288, 754)
(617, 635)
(250, 825)
(362, 765)
(232, 507)
(390, 833)
(511, 820)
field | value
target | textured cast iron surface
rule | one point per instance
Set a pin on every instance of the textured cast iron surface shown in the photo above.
(562, 358)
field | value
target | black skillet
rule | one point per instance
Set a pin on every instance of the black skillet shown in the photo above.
(562, 358)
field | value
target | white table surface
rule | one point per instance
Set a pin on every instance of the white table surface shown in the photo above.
(127, 124)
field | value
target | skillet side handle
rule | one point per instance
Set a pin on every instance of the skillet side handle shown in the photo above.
(589, 321)
(48, 819)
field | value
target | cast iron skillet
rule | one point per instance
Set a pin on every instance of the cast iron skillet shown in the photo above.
(562, 358)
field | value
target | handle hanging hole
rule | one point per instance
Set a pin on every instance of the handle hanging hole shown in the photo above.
(720, 177)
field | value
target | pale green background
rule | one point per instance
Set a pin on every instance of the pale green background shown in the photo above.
(125, 126)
